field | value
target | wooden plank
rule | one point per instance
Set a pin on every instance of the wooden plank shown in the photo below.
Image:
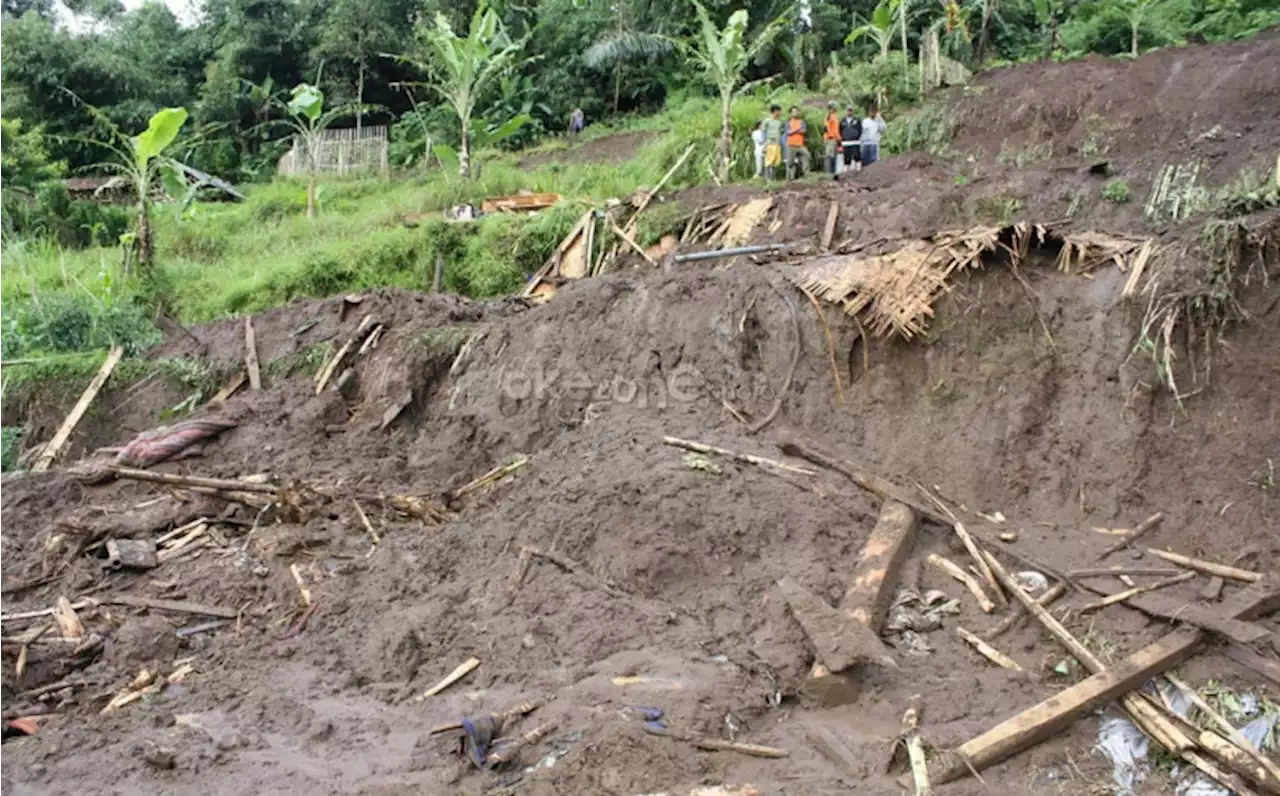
(229, 389)
(177, 606)
(1253, 661)
(840, 643)
(1058, 711)
(251, 355)
(59, 441)
(835, 750)
(829, 230)
(1163, 605)
(876, 574)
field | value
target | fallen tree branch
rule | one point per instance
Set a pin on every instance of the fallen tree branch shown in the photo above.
(915, 747)
(987, 651)
(192, 480)
(1018, 612)
(831, 346)
(508, 752)
(965, 578)
(1120, 597)
(1137, 533)
(754, 750)
(1221, 570)
(747, 458)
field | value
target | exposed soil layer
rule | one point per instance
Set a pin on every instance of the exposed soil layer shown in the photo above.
(615, 148)
(1025, 398)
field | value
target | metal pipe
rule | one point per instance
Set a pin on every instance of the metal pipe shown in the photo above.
(718, 253)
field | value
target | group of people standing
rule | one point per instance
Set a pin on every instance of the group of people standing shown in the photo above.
(848, 143)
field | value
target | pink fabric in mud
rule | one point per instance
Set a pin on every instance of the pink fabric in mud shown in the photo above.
(158, 444)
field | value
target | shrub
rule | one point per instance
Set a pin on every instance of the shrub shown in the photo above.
(1116, 191)
(60, 322)
(928, 128)
(10, 447)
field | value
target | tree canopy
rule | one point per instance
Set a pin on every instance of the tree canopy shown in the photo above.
(225, 64)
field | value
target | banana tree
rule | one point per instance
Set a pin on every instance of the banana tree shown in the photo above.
(1135, 12)
(308, 119)
(879, 28)
(461, 68)
(723, 55)
(138, 162)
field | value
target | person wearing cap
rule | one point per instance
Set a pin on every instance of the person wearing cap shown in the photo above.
(831, 140)
(851, 139)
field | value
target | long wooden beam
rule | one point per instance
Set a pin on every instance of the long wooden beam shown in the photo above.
(1055, 713)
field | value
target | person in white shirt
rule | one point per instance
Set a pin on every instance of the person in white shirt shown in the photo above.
(872, 128)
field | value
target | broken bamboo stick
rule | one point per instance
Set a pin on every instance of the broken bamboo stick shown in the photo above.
(192, 480)
(1146, 717)
(452, 677)
(494, 475)
(508, 752)
(970, 582)
(627, 239)
(1116, 572)
(748, 458)
(1128, 539)
(65, 615)
(523, 709)
(1057, 712)
(326, 372)
(754, 750)
(237, 381)
(1055, 591)
(915, 746)
(59, 441)
(1208, 567)
(1271, 773)
(251, 355)
(1121, 596)
(983, 569)
(665, 178)
(989, 652)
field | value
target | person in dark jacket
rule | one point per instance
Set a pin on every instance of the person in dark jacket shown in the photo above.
(851, 140)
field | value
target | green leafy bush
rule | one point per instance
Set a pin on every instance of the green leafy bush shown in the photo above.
(10, 447)
(66, 322)
(1116, 191)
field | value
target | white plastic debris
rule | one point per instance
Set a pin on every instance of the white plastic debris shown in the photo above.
(1126, 747)
(1031, 582)
(1257, 731)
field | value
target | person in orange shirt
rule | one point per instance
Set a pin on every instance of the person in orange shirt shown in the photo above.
(831, 140)
(797, 152)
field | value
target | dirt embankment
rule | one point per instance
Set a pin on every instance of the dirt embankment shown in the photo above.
(1025, 398)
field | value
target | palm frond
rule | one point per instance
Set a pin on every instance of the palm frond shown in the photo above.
(626, 46)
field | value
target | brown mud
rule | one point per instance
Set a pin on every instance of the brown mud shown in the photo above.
(1023, 399)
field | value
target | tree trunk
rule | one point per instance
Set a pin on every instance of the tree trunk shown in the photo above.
(360, 99)
(146, 249)
(1133, 40)
(311, 194)
(464, 155)
(726, 137)
(990, 9)
(906, 55)
(617, 86)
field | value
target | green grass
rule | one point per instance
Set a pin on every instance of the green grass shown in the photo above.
(227, 259)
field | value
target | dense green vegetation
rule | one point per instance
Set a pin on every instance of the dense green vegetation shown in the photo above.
(93, 88)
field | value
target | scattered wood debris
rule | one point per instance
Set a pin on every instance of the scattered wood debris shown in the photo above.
(463, 669)
(970, 583)
(1128, 538)
(251, 355)
(54, 447)
(987, 651)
